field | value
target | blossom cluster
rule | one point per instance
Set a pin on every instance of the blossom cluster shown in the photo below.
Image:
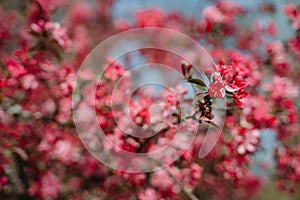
(225, 80)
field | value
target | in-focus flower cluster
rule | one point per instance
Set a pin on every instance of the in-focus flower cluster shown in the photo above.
(227, 81)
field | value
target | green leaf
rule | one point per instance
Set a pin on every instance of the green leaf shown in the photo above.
(198, 97)
(196, 81)
(203, 88)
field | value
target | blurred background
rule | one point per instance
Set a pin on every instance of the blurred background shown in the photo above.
(126, 10)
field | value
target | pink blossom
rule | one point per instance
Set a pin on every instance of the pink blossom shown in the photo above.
(248, 141)
(15, 68)
(162, 180)
(113, 71)
(279, 58)
(293, 13)
(29, 82)
(272, 29)
(294, 45)
(65, 151)
(238, 84)
(50, 185)
(80, 12)
(3, 181)
(224, 70)
(216, 90)
(281, 88)
(58, 33)
(148, 194)
(258, 110)
(214, 14)
(150, 18)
